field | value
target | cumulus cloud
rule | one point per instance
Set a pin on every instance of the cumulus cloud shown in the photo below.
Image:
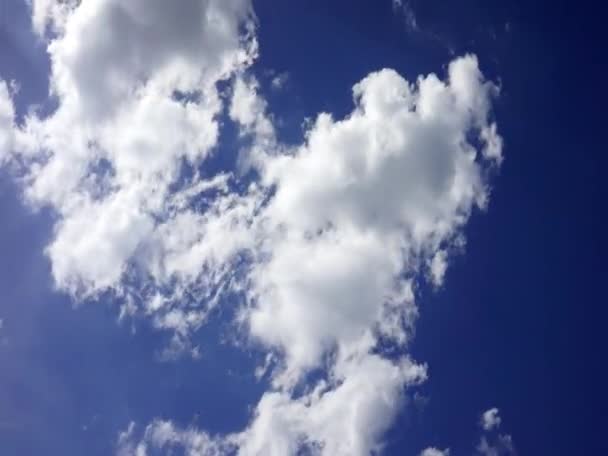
(324, 246)
(346, 415)
(490, 419)
(186, 48)
(356, 212)
(492, 443)
(361, 205)
(133, 108)
(164, 436)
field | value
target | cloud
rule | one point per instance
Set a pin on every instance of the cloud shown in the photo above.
(356, 212)
(490, 419)
(405, 8)
(492, 444)
(7, 122)
(248, 109)
(435, 452)
(184, 48)
(164, 436)
(279, 81)
(360, 206)
(438, 266)
(345, 416)
(323, 247)
(132, 109)
(502, 446)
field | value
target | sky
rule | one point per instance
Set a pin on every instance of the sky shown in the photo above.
(234, 227)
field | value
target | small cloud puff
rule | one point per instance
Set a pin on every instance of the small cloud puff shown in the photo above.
(435, 452)
(279, 81)
(490, 419)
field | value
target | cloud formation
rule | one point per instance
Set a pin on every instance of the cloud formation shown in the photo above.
(7, 120)
(492, 442)
(435, 452)
(490, 419)
(324, 246)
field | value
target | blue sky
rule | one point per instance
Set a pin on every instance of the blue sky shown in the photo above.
(116, 322)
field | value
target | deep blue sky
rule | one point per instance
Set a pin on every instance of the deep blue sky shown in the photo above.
(519, 323)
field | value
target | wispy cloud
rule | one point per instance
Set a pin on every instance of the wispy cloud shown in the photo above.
(404, 8)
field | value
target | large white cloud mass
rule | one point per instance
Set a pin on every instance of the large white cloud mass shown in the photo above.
(325, 245)
(136, 85)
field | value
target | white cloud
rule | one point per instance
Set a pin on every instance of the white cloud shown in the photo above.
(249, 109)
(491, 444)
(163, 435)
(438, 266)
(345, 416)
(151, 42)
(326, 246)
(493, 143)
(126, 446)
(133, 107)
(279, 81)
(360, 203)
(50, 14)
(435, 452)
(405, 8)
(7, 122)
(502, 446)
(358, 210)
(490, 419)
